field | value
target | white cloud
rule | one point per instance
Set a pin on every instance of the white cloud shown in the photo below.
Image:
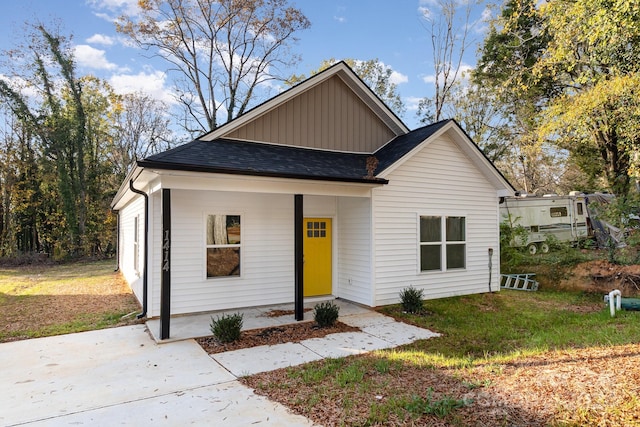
(426, 7)
(152, 83)
(340, 19)
(411, 102)
(398, 78)
(115, 7)
(22, 86)
(101, 39)
(431, 78)
(464, 72)
(90, 57)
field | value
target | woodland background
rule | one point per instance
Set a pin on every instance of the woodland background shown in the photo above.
(553, 102)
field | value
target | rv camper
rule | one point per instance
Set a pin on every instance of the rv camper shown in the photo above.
(564, 217)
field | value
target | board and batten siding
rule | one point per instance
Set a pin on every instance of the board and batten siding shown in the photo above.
(354, 250)
(441, 181)
(328, 116)
(126, 246)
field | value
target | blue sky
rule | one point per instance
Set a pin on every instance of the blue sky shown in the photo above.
(391, 30)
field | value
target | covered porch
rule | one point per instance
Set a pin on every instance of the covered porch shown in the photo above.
(276, 220)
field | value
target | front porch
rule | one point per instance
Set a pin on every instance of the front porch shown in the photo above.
(190, 326)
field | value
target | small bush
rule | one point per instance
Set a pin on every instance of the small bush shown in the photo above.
(227, 328)
(411, 299)
(326, 314)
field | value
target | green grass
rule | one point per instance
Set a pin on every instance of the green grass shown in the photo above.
(513, 322)
(479, 332)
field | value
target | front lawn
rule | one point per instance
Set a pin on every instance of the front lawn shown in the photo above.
(44, 300)
(508, 358)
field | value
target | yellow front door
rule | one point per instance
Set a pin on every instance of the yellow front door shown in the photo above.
(317, 256)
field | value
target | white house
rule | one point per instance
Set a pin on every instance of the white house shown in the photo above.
(319, 191)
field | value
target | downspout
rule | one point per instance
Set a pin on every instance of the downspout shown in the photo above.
(146, 251)
(117, 241)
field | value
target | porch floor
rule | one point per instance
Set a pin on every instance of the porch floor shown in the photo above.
(184, 327)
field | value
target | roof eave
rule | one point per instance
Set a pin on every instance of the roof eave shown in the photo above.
(229, 171)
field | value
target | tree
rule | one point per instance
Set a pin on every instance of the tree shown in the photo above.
(449, 42)
(59, 201)
(567, 71)
(140, 129)
(478, 111)
(512, 47)
(221, 51)
(377, 75)
(593, 57)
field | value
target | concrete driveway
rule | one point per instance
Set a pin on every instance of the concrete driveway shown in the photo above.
(120, 376)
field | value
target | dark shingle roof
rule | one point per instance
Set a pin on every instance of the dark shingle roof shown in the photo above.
(401, 145)
(251, 158)
(261, 159)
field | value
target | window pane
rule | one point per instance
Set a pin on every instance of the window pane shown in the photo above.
(430, 229)
(455, 229)
(223, 229)
(223, 262)
(233, 229)
(558, 212)
(455, 256)
(430, 257)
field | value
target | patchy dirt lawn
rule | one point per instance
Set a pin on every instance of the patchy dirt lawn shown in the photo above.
(43, 300)
(595, 386)
(602, 276)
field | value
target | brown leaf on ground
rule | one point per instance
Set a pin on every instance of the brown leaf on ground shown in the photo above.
(33, 310)
(590, 386)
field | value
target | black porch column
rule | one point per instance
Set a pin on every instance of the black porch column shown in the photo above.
(165, 279)
(299, 257)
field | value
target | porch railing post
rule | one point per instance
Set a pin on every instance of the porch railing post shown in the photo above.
(299, 257)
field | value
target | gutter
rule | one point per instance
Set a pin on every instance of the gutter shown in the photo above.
(146, 251)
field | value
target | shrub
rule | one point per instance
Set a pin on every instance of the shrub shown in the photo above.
(326, 314)
(227, 328)
(411, 299)
(512, 256)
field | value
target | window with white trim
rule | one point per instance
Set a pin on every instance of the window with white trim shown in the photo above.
(136, 244)
(223, 245)
(442, 243)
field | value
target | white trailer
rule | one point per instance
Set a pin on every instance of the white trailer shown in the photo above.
(565, 217)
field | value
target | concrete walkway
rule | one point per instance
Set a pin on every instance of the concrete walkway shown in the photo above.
(122, 376)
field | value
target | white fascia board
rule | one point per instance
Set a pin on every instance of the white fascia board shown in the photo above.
(141, 178)
(463, 142)
(184, 180)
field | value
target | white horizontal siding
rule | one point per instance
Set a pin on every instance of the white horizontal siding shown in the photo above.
(267, 251)
(439, 180)
(126, 256)
(354, 250)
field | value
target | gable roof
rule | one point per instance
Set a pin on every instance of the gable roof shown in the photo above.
(215, 153)
(251, 158)
(274, 160)
(340, 70)
(400, 146)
